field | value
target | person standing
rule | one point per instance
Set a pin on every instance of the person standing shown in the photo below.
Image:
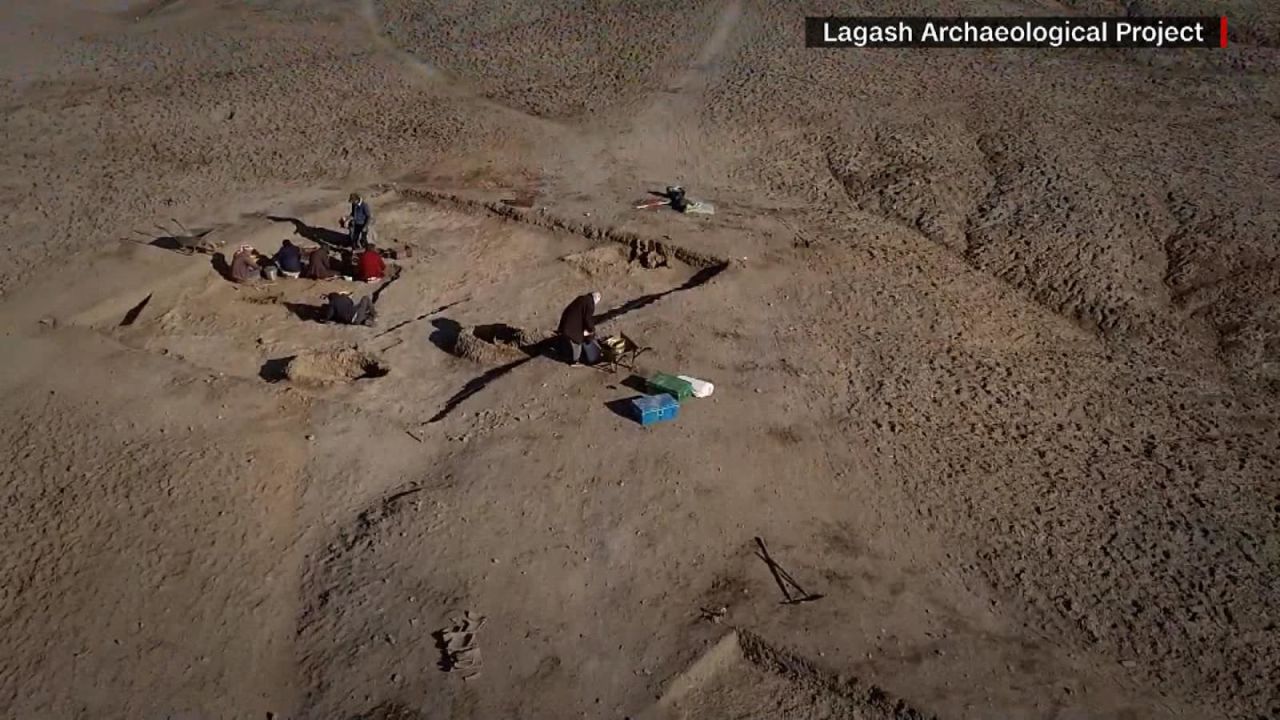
(578, 325)
(358, 221)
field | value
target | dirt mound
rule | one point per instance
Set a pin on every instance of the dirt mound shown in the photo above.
(497, 343)
(320, 367)
(611, 260)
(598, 262)
(742, 676)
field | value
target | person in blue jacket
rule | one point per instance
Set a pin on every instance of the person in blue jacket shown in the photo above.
(359, 221)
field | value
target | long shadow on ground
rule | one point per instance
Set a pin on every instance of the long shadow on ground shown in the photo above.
(332, 238)
(423, 316)
(702, 277)
(447, 332)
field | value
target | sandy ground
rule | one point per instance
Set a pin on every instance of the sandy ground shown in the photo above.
(995, 337)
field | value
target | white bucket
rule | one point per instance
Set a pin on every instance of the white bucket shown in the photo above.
(701, 388)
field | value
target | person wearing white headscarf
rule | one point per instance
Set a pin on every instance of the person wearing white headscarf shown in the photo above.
(578, 325)
(244, 265)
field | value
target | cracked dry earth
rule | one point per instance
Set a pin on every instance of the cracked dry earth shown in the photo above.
(995, 337)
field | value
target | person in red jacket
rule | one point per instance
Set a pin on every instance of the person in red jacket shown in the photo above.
(369, 265)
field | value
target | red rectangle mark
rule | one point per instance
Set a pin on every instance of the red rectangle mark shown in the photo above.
(1223, 40)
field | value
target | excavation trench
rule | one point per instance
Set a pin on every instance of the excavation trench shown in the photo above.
(513, 347)
(637, 243)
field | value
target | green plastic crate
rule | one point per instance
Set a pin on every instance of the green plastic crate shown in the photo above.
(671, 385)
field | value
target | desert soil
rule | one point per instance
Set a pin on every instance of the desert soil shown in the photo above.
(995, 337)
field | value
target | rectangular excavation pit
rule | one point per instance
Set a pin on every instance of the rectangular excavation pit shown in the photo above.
(459, 269)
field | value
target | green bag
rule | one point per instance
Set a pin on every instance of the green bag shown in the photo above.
(670, 384)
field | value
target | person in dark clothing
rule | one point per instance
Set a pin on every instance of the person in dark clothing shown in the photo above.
(339, 307)
(675, 194)
(318, 267)
(289, 259)
(578, 324)
(358, 222)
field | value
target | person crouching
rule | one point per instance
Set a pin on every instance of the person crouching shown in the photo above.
(578, 325)
(369, 265)
(318, 265)
(244, 266)
(340, 308)
(289, 259)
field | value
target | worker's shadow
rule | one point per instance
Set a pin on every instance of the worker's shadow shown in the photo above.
(445, 334)
(324, 236)
(303, 311)
(220, 265)
(698, 279)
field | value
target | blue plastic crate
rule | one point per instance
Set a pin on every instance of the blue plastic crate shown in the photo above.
(650, 409)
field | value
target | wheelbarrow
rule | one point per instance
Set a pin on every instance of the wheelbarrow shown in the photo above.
(621, 352)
